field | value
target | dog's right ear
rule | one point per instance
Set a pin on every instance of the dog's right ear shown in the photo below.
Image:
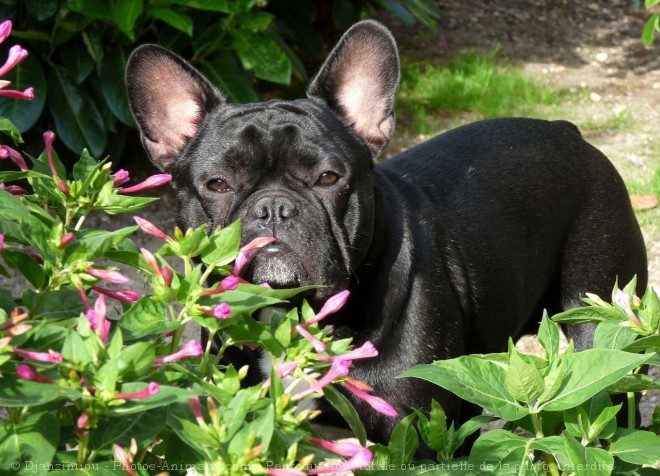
(169, 100)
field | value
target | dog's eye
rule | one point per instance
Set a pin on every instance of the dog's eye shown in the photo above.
(327, 178)
(218, 185)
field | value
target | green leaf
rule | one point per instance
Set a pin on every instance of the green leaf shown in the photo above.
(9, 128)
(403, 442)
(78, 121)
(61, 304)
(590, 371)
(477, 380)
(434, 429)
(26, 265)
(212, 5)
(126, 12)
(234, 414)
(113, 87)
(260, 53)
(347, 411)
(612, 335)
(136, 360)
(144, 427)
(84, 167)
(178, 20)
(651, 3)
(112, 202)
(223, 245)
(15, 392)
(167, 395)
(24, 114)
(523, 380)
(96, 242)
(261, 427)
(144, 318)
(586, 461)
(41, 10)
(498, 451)
(74, 349)
(232, 80)
(468, 428)
(643, 344)
(636, 446)
(548, 336)
(28, 444)
(96, 9)
(633, 383)
(77, 60)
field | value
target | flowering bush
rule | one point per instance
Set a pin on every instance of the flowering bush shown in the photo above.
(89, 392)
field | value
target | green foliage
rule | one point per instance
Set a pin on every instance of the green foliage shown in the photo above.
(652, 25)
(78, 52)
(470, 83)
(560, 418)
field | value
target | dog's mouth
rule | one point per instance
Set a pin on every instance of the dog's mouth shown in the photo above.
(278, 266)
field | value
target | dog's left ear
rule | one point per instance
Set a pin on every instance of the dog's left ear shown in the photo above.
(359, 81)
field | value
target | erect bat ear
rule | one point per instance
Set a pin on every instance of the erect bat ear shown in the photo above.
(359, 80)
(169, 99)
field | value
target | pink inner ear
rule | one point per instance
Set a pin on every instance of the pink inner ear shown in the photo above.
(171, 107)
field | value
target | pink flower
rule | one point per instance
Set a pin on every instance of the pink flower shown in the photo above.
(109, 275)
(284, 472)
(245, 253)
(338, 369)
(167, 275)
(367, 350)
(28, 373)
(377, 403)
(63, 187)
(5, 30)
(191, 349)
(15, 156)
(623, 300)
(359, 384)
(151, 261)
(66, 240)
(83, 421)
(120, 177)
(221, 311)
(150, 228)
(15, 56)
(50, 357)
(152, 389)
(125, 458)
(97, 319)
(15, 190)
(317, 344)
(332, 305)
(151, 182)
(227, 284)
(196, 408)
(285, 369)
(122, 295)
(359, 457)
(49, 138)
(27, 95)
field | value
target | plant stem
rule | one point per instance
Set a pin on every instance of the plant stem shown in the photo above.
(536, 423)
(80, 221)
(632, 410)
(207, 353)
(552, 464)
(83, 443)
(176, 339)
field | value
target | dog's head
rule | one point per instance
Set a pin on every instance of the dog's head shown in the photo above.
(299, 171)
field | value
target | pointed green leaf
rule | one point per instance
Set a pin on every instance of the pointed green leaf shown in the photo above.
(126, 12)
(77, 60)
(548, 336)
(497, 451)
(146, 317)
(636, 446)
(523, 380)
(612, 335)
(29, 444)
(232, 80)
(347, 411)
(113, 87)
(175, 19)
(403, 442)
(260, 53)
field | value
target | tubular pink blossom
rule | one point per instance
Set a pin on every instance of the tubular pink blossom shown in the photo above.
(125, 459)
(83, 421)
(49, 138)
(28, 373)
(191, 349)
(109, 275)
(623, 300)
(377, 403)
(227, 284)
(241, 260)
(120, 177)
(63, 187)
(102, 324)
(66, 240)
(258, 243)
(359, 457)
(338, 369)
(284, 472)
(150, 228)
(285, 369)
(167, 275)
(196, 408)
(221, 311)
(15, 190)
(151, 261)
(16, 54)
(152, 389)
(332, 305)
(366, 351)
(27, 95)
(5, 30)
(50, 357)
(359, 384)
(15, 156)
(122, 295)
(83, 298)
(151, 182)
(317, 344)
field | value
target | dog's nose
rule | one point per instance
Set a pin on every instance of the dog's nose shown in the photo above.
(274, 209)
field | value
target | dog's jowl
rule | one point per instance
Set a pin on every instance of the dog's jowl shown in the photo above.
(449, 248)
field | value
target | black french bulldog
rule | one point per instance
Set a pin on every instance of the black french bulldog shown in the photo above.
(449, 248)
